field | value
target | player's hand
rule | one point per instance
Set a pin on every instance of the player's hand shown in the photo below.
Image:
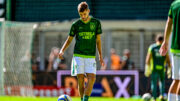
(164, 48)
(61, 53)
(147, 72)
(169, 72)
(101, 61)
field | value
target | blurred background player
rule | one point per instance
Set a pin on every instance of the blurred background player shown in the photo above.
(155, 65)
(127, 63)
(87, 31)
(173, 19)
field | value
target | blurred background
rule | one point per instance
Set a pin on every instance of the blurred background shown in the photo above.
(33, 31)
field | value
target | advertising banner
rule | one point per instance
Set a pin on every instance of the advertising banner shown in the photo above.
(52, 91)
(122, 83)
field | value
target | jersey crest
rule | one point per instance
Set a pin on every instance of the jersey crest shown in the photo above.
(92, 26)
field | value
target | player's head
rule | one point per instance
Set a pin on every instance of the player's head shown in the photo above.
(83, 11)
(159, 38)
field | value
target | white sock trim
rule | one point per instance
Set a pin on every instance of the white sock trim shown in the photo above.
(171, 97)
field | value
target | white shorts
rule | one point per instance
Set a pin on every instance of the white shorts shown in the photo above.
(82, 65)
(176, 66)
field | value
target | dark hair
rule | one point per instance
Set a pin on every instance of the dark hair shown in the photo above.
(159, 37)
(82, 7)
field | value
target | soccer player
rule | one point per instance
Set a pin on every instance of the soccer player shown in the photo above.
(155, 65)
(173, 19)
(87, 32)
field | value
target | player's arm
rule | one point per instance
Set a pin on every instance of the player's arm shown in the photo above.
(148, 58)
(167, 33)
(98, 43)
(168, 29)
(65, 46)
(147, 66)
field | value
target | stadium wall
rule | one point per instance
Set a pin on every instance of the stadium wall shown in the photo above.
(55, 10)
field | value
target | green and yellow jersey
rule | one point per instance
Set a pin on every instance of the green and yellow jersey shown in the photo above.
(174, 13)
(157, 61)
(85, 36)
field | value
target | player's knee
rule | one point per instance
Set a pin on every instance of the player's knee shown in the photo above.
(176, 81)
(80, 79)
(92, 78)
(80, 76)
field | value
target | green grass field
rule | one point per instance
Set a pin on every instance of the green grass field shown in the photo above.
(10, 98)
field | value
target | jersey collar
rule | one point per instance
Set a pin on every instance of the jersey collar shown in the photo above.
(86, 22)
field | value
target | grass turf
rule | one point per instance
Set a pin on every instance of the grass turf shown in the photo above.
(16, 98)
(11, 98)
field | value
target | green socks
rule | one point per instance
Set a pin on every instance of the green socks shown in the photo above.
(85, 98)
(81, 99)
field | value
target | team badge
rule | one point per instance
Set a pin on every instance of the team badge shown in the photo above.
(92, 26)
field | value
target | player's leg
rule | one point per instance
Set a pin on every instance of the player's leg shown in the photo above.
(162, 84)
(79, 66)
(175, 76)
(80, 78)
(90, 70)
(178, 88)
(154, 78)
(178, 92)
(89, 86)
(172, 91)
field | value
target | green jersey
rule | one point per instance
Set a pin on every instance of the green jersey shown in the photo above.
(174, 13)
(85, 35)
(157, 61)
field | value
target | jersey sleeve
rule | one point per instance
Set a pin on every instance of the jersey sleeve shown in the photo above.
(72, 31)
(99, 30)
(150, 49)
(170, 12)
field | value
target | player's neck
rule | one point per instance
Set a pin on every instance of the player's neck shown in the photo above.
(88, 19)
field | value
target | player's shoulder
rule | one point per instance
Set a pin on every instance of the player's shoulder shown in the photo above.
(76, 21)
(95, 19)
(153, 45)
(175, 2)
